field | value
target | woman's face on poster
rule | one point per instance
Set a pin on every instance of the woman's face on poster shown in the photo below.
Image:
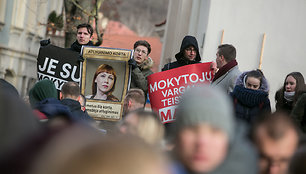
(105, 82)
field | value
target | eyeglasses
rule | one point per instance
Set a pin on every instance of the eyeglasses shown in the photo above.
(190, 50)
(140, 51)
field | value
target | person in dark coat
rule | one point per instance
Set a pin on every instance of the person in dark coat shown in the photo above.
(84, 36)
(70, 97)
(189, 54)
(250, 96)
(287, 96)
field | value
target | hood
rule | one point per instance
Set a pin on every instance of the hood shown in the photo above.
(72, 104)
(146, 64)
(264, 84)
(186, 42)
(52, 107)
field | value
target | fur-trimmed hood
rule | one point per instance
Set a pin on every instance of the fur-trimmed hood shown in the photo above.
(146, 64)
(264, 84)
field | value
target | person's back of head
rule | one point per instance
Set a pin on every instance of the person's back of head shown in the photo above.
(134, 99)
(42, 90)
(145, 124)
(228, 51)
(70, 90)
(276, 137)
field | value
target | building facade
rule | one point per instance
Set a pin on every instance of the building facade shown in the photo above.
(22, 26)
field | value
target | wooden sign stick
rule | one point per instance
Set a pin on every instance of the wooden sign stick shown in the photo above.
(262, 50)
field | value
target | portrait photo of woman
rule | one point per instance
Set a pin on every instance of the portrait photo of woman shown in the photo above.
(103, 83)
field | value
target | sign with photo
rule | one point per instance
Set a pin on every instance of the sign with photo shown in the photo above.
(105, 80)
(59, 65)
(165, 88)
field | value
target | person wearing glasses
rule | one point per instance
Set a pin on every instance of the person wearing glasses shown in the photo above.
(189, 54)
(140, 65)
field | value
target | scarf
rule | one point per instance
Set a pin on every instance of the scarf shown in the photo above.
(224, 69)
(289, 96)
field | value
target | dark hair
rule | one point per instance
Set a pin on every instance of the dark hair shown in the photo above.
(258, 74)
(228, 51)
(299, 89)
(88, 26)
(70, 89)
(143, 43)
(275, 125)
(103, 68)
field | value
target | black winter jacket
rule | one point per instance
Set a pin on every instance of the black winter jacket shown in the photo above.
(181, 61)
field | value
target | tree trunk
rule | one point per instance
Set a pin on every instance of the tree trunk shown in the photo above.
(76, 15)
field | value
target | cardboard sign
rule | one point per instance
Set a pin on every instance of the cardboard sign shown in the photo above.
(58, 65)
(105, 80)
(165, 88)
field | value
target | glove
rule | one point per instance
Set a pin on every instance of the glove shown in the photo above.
(81, 58)
(133, 63)
(44, 43)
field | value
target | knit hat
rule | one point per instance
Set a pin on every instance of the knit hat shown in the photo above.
(203, 104)
(42, 90)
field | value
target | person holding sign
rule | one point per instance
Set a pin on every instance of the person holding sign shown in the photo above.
(141, 64)
(84, 36)
(228, 71)
(189, 54)
(103, 83)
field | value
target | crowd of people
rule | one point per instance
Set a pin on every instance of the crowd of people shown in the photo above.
(226, 127)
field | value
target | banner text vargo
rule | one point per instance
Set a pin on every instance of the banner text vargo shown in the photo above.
(165, 88)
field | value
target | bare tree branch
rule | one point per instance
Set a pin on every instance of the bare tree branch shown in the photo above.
(81, 8)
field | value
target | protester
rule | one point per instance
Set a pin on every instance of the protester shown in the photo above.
(43, 99)
(144, 124)
(276, 138)
(287, 96)
(207, 138)
(134, 99)
(70, 97)
(250, 96)
(103, 83)
(189, 54)
(83, 37)
(141, 64)
(228, 71)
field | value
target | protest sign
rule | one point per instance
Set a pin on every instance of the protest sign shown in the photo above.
(58, 65)
(165, 88)
(104, 82)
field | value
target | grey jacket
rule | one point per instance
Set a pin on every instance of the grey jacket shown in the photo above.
(228, 80)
